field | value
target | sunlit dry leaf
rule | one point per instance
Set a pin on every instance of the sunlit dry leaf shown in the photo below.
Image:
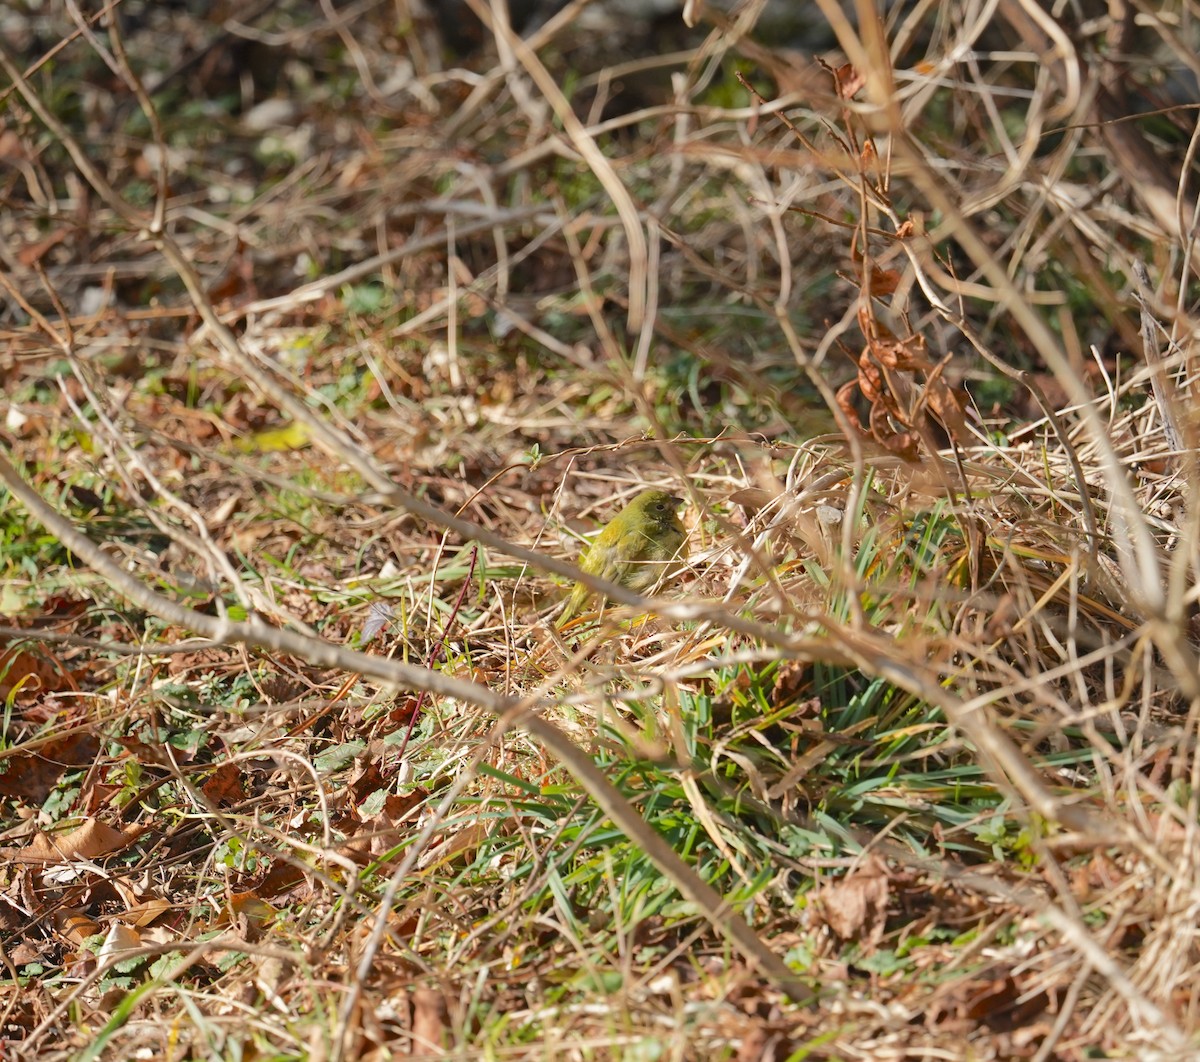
(90, 841)
(75, 925)
(883, 281)
(97, 795)
(760, 1044)
(901, 355)
(122, 942)
(280, 878)
(27, 951)
(270, 973)
(371, 843)
(869, 157)
(948, 406)
(12, 148)
(793, 678)
(856, 906)
(366, 777)
(849, 80)
(24, 674)
(845, 400)
(870, 383)
(143, 914)
(251, 912)
(904, 444)
(225, 786)
(430, 1021)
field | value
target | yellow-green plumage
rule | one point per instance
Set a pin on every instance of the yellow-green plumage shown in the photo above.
(639, 545)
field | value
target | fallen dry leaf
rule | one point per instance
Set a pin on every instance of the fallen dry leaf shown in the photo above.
(90, 841)
(25, 674)
(31, 776)
(73, 924)
(430, 1021)
(855, 907)
(120, 943)
(225, 786)
(143, 914)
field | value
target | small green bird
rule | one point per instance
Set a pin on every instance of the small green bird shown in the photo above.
(637, 547)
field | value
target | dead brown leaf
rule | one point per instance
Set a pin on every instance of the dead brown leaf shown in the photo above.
(75, 925)
(250, 913)
(90, 841)
(849, 80)
(855, 907)
(31, 776)
(1002, 1001)
(121, 943)
(25, 674)
(146, 913)
(430, 1021)
(225, 786)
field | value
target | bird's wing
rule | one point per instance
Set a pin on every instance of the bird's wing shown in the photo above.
(634, 545)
